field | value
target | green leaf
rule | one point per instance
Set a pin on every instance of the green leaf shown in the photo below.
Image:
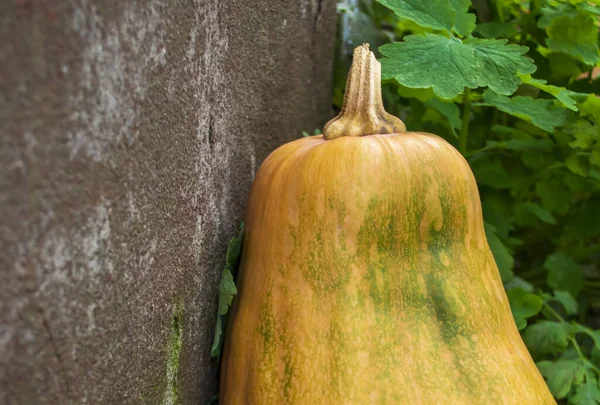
(562, 66)
(585, 223)
(587, 393)
(518, 282)
(448, 110)
(595, 156)
(550, 13)
(523, 305)
(540, 212)
(495, 29)
(562, 375)
(547, 337)
(585, 133)
(227, 288)
(537, 111)
(215, 350)
(576, 36)
(567, 301)
(464, 22)
(436, 14)
(554, 195)
(591, 107)
(433, 61)
(526, 144)
(577, 164)
(564, 274)
(497, 211)
(502, 256)
(561, 94)
(494, 175)
(419, 94)
(234, 250)
(522, 145)
(501, 64)
(594, 334)
(448, 65)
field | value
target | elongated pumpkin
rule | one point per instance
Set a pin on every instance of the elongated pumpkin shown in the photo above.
(366, 277)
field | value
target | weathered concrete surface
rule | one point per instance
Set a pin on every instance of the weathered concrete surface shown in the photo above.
(130, 132)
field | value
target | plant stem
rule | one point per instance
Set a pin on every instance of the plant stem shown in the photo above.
(573, 341)
(582, 356)
(553, 312)
(464, 131)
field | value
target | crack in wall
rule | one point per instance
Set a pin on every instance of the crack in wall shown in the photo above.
(57, 355)
(314, 47)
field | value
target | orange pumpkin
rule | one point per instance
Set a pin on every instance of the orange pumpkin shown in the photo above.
(366, 277)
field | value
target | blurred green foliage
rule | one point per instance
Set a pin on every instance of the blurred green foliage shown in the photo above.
(510, 84)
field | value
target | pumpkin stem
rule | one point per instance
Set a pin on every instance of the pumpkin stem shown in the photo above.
(362, 112)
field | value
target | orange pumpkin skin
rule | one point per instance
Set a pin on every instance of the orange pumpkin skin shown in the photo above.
(366, 278)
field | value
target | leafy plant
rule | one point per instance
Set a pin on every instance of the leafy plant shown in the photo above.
(227, 288)
(510, 83)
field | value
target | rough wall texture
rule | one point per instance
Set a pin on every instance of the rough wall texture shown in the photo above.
(130, 132)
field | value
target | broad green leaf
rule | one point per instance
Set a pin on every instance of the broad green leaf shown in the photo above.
(233, 251)
(595, 156)
(433, 61)
(495, 29)
(419, 94)
(518, 282)
(585, 133)
(523, 305)
(540, 212)
(528, 144)
(215, 350)
(562, 375)
(591, 107)
(564, 274)
(501, 63)
(547, 337)
(539, 160)
(587, 393)
(227, 290)
(521, 144)
(567, 301)
(577, 164)
(550, 13)
(510, 132)
(494, 175)
(562, 66)
(497, 211)
(585, 223)
(464, 22)
(448, 110)
(590, 7)
(560, 93)
(537, 111)
(576, 36)
(503, 256)
(554, 195)
(594, 334)
(448, 65)
(436, 14)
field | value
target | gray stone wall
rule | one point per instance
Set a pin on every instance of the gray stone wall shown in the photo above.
(130, 132)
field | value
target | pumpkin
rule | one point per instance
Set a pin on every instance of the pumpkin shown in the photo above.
(366, 277)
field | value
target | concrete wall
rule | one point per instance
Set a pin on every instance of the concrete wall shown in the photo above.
(130, 132)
